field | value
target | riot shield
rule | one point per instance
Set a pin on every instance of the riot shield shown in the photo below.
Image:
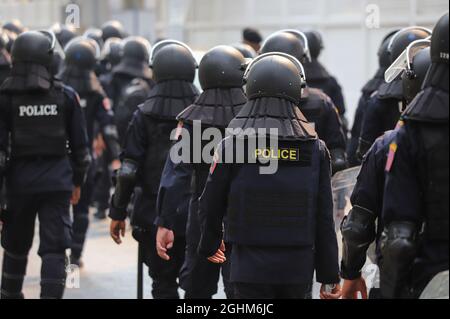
(342, 185)
(438, 287)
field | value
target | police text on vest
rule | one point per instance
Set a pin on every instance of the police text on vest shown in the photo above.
(38, 110)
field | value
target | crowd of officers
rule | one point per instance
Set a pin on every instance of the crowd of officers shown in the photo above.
(81, 115)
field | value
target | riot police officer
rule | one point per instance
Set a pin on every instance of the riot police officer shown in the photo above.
(220, 72)
(5, 59)
(133, 65)
(110, 57)
(146, 147)
(15, 26)
(385, 106)
(46, 164)
(318, 76)
(281, 224)
(314, 104)
(78, 72)
(364, 224)
(113, 29)
(368, 89)
(246, 50)
(416, 204)
(252, 37)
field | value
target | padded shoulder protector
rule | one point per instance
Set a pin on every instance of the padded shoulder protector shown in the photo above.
(168, 99)
(215, 107)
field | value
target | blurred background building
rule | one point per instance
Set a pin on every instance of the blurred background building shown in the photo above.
(352, 29)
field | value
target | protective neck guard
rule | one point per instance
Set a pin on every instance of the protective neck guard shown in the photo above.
(393, 90)
(169, 98)
(28, 77)
(432, 104)
(133, 68)
(82, 81)
(269, 113)
(374, 83)
(215, 107)
(315, 71)
(4, 59)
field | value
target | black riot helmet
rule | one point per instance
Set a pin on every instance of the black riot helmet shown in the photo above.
(34, 47)
(439, 41)
(113, 29)
(277, 75)
(112, 51)
(384, 58)
(221, 67)
(415, 74)
(14, 26)
(400, 41)
(64, 33)
(172, 60)
(315, 43)
(246, 50)
(82, 53)
(136, 49)
(96, 35)
(285, 42)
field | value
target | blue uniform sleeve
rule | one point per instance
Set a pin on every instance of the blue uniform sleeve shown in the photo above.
(4, 127)
(371, 127)
(337, 96)
(135, 145)
(335, 138)
(78, 138)
(174, 190)
(326, 248)
(213, 206)
(105, 118)
(402, 193)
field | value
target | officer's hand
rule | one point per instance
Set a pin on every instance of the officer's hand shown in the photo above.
(334, 294)
(117, 230)
(219, 256)
(164, 241)
(115, 165)
(76, 193)
(351, 288)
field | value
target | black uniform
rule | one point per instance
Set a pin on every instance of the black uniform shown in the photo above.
(416, 204)
(41, 118)
(386, 104)
(280, 225)
(5, 59)
(79, 73)
(320, 110)
(220, 74)
(146, 147)
(363, 224)
(317, 106)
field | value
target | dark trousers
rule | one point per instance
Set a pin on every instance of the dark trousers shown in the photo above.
(264, 291)
(165, 274)
(53, 211)
(81, 215)
(199, 277)
(103, 184)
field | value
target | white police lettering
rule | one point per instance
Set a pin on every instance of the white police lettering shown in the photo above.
(38, 110)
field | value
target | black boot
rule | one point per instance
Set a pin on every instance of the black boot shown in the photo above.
(13, 275)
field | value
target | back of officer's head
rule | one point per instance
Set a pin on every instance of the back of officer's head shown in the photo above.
(251, 35)
(285, 42)
(413, 79)
(439, 41)
(172, 60)
(113, 29)
(136, 49)
(274, 76)
(221, 67)
(315, 43)
(81, 53)
(33, 47)
(64, 33)
(384, 58)
(400, 41)
(112, 51)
